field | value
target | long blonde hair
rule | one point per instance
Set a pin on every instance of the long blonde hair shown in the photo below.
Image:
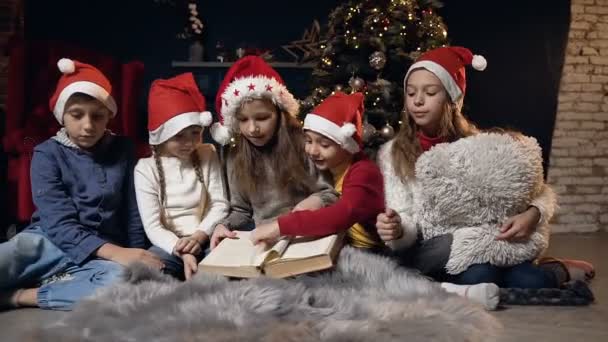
(406, 146)
(285, 153)
(196, 163)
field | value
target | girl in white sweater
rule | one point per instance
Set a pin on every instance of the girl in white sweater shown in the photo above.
(180, 191)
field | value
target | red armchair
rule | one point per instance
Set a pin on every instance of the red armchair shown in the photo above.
(32, 76)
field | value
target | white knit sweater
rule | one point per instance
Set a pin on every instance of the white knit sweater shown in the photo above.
(189, 205)
(399, 197)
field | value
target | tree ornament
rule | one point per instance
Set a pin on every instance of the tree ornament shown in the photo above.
(356, 83)
(377, 60)
(387, 132)
(385, 87)
(369, 131)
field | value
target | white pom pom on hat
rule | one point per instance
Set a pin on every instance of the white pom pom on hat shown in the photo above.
(220, 133)
(66, 66)
(206, 118)
(479, 62)
(348, 129)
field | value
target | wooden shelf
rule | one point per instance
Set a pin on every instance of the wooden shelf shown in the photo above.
(187, 64)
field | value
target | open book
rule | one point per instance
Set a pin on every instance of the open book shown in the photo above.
(239, 258)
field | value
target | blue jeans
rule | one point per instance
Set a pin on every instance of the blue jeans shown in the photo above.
(30, 258)
(525, 275)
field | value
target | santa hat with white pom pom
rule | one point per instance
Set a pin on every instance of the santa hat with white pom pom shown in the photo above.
(175, 104)
(80, 78)
(447, 63)
(249, 77)
(338, 118)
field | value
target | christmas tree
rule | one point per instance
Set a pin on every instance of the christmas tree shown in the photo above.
(368, 46)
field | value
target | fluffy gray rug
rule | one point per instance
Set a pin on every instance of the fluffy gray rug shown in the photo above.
(367, 298)
(468, 187)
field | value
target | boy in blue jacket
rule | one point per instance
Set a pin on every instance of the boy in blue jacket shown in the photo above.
(86, 226)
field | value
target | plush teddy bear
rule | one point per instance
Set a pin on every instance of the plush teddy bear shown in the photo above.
(468, 188)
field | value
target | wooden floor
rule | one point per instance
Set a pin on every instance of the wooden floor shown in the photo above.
(521, 323)
(570, 324)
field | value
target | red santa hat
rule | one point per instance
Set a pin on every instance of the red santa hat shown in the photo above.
(80, 78)
(249, 77)
(174, 104)
(447, 63)
(338, 118)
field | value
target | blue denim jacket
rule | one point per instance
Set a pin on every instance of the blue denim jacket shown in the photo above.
(85, 199)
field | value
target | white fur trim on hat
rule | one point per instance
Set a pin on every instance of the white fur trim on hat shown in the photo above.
(256, 87)
(341, 135)
(66, 66)
(177, 123)
(220, 133)
(84, 87)
(479, 62)
(444, 76)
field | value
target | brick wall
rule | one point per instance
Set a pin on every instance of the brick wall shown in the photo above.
(579, 156)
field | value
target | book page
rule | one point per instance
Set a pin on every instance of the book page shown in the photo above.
(263, 256)
(233, 252)
(305, 247)
(241, 252)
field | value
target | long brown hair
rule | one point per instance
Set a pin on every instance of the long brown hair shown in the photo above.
(285, 153)
(406, 146)
(196, 163)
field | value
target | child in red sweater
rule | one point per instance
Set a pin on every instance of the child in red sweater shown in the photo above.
(333, 142)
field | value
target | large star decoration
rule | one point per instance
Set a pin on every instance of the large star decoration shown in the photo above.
(308, 46)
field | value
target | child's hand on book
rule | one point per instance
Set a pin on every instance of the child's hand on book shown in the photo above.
(190, 265)
(221, 232)
(267, 233)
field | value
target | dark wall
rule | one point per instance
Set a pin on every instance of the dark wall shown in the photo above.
(523, 41)
(146, 30)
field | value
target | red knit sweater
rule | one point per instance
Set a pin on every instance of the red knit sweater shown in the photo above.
(427, 142)
(361, 201)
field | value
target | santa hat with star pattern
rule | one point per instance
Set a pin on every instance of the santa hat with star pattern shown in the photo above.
(447, 63)
(338, 118)
(174, 104)
(249, 77)
(83, 78)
